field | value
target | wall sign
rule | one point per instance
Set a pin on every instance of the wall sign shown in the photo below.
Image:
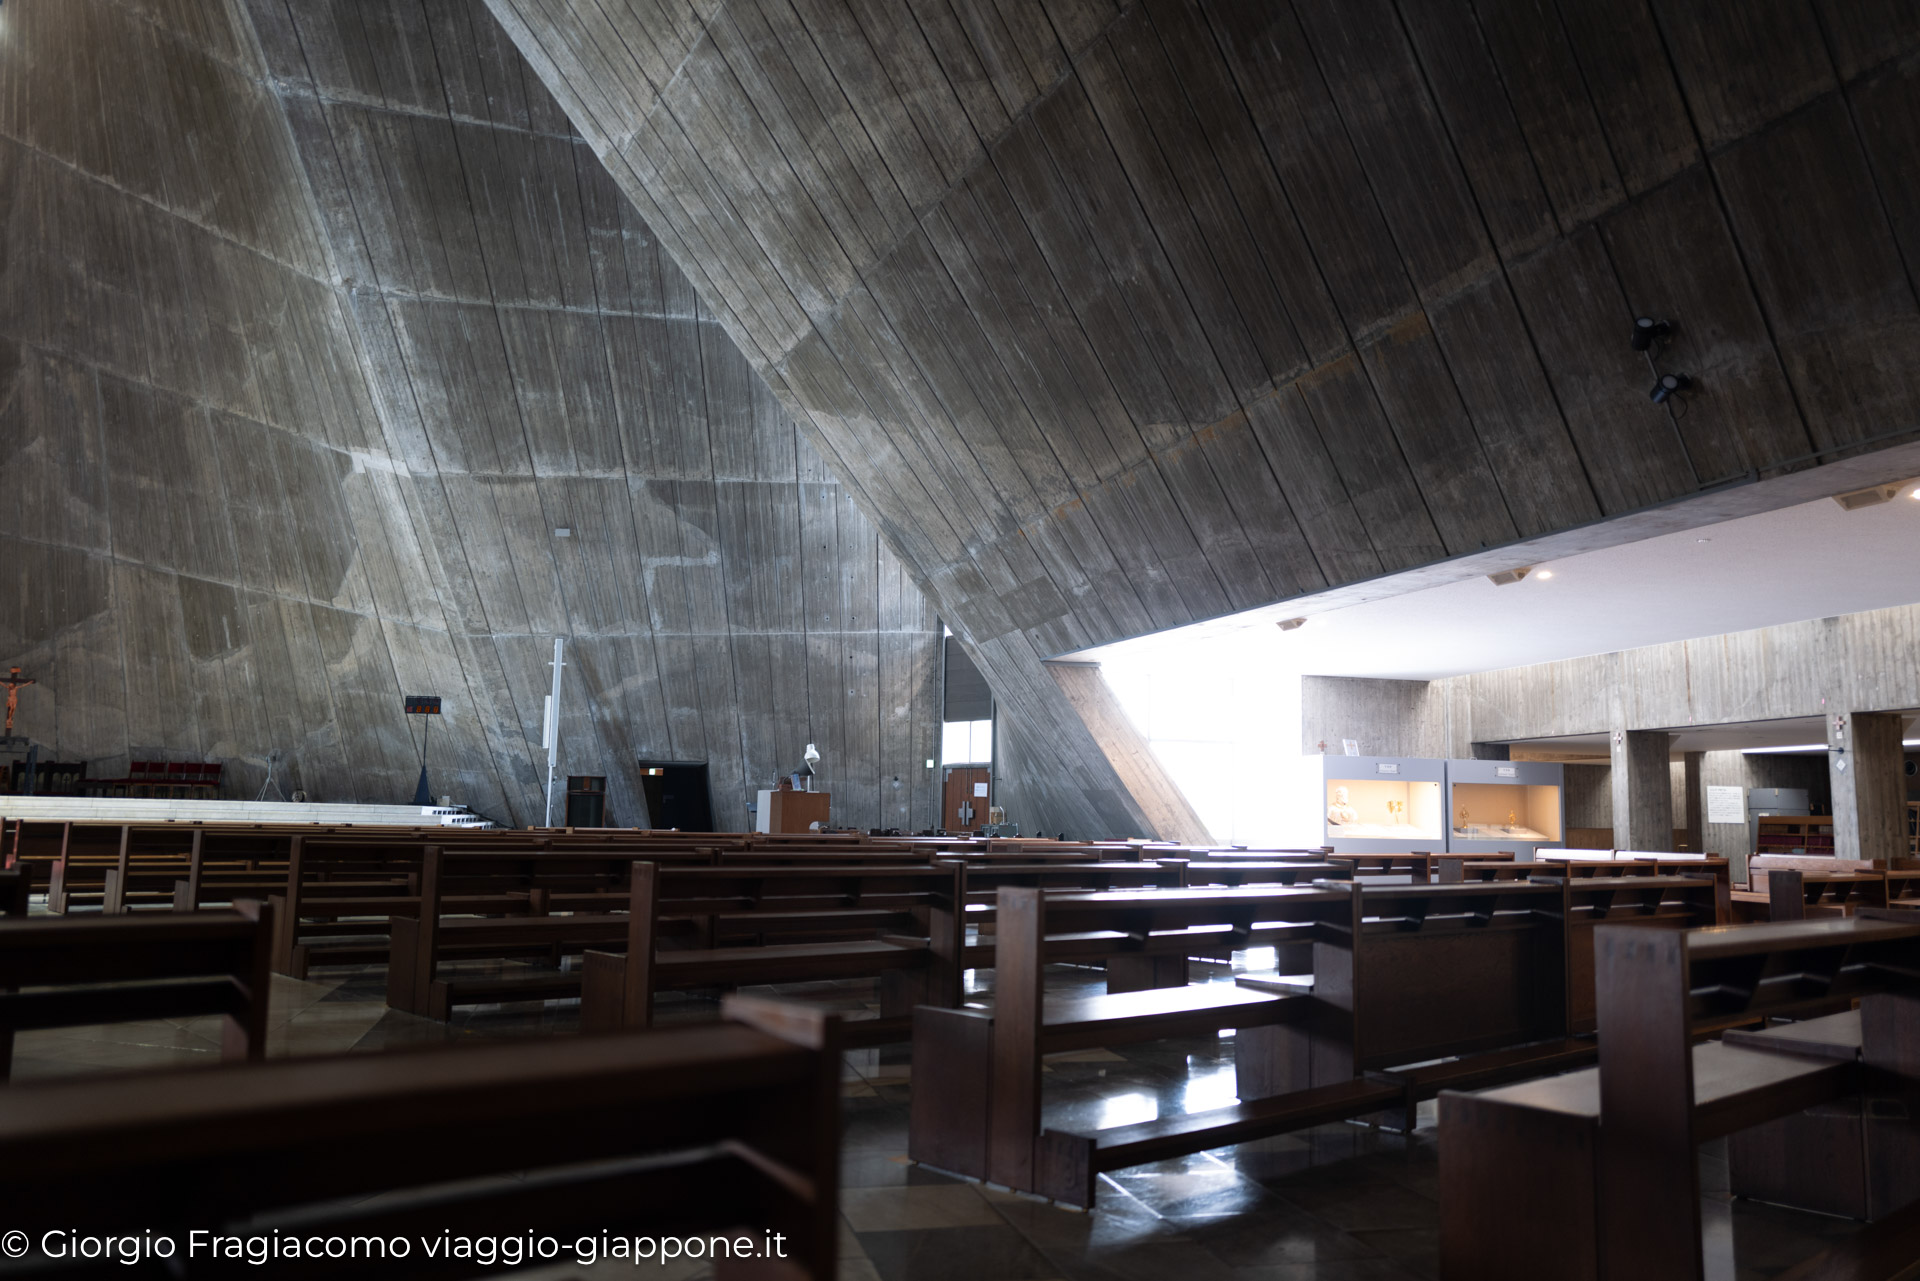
(1385, 767)
(1506, 771)
(1726, 804)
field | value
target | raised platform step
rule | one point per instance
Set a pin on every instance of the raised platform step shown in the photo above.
(130, 809)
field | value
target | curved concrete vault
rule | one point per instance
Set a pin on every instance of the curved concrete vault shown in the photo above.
(1118, 314)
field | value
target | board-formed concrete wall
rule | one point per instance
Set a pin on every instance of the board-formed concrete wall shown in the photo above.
(1119, 314)
(317, 320)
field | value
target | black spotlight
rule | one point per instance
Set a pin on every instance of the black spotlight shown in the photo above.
(1648, 331)
(1671, 385)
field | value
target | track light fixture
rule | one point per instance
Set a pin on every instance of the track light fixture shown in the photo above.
(1508, 576)
(1289, 624)
(1669, 386)
(1647, 331)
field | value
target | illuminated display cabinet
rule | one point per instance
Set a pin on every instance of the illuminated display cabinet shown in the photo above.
(1504, 805)
(1369, 804)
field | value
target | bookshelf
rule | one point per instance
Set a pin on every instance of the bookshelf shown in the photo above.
(1794, 834)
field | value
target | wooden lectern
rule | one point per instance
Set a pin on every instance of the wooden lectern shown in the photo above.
(781, 811)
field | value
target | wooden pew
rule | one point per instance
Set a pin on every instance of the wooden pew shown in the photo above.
(1657, 902)
(116, 969)
(1128, 973)
(1526, 1170)
(1483, 977)
(1476, 974)
(734, 926)
(976, 1099)
(1206, 872)
(613, 988)
(342, 897)
(1790, 894)
(1639, 865)
(487, 904)
(719, 1128)
(985, 1123)
(1416, 867)
(337, 898)
(903, 926)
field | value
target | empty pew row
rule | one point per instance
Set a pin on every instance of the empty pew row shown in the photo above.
(1597, 1169)
(335, 910)
(1601, 868)
(693, 926)
(121, 867)
(1792, 888)
(1403, 974)
(728, 1128)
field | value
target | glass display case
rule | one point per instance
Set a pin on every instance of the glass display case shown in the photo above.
(1493, 806)
(1371, 804)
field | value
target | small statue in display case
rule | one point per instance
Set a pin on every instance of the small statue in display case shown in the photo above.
(1341, 812)
(1396, 811)
(1510, 820)
(1460, 818)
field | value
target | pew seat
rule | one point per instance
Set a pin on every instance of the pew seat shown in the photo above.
(1068, 1162)
(703, 968)
(1485, 1071)
(1157, 1014)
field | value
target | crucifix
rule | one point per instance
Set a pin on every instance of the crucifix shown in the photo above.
(14, 685)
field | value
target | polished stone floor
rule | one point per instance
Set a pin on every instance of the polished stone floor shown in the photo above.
(1337, 1203)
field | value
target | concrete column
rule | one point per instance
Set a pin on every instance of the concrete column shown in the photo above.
(1695, 815)
(1642, 789)
(1865, 763)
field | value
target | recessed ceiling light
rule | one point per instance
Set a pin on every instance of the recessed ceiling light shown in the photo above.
(1873, 497)
(1703, 540)
(1546, 573)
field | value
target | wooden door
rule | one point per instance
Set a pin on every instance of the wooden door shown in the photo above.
(965, 788)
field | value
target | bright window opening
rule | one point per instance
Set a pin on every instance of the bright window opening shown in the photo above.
(966, 743)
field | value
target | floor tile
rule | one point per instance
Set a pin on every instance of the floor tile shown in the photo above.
(985, 1253)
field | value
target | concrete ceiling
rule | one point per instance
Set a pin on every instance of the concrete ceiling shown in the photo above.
(1117, 315)
(1813, 560)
